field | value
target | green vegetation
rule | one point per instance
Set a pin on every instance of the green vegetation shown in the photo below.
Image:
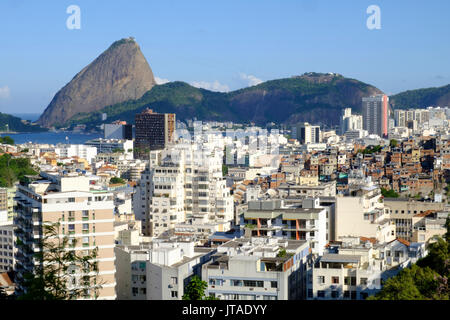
(7, 140)
(118, 150)
(282, 253)
(13, 170)
(371, 149)
(425, 280)
(117, 180)
(389, 193)
(318, 95)
(393, 143)
(14, 124)
(51, 277)
(421, 98)
(195, 290)
(224, 170)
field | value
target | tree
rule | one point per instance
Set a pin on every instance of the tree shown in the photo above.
(393, 143)
(282, 253)
(53, 277)
(116, 180)
(427, 279)
(400, 287)
(224, 170)
(7, 140)
(195, 290)
(389, 193)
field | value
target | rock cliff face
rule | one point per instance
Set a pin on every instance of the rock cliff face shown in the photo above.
(119, 74)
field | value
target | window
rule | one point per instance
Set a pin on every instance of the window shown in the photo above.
(236, 283)
(71, 227)
(135, 291)
(252, 283)
(71, 199)
(353, 295)
(347, 281)
(85, 240)
(173, 280)
(174, 294)
(335, 280)
(273, 284)
(346, 294)
(143, 291)
(321, 279)
(334, 294)
(321, 294)
(363, 295)
(363, 281)
(85, 226)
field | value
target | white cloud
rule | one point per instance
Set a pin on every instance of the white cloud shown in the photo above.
(213, 86)
(161, 80)
(4, 92)
(251, 80)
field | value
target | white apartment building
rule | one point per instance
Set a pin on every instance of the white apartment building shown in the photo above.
(306, 133)
(159, 270)
(258, 269)
(184, 184)
(85, 215)
(350, 122)
(272, 218)
(356, 269)
(364, 215)
(76, 150)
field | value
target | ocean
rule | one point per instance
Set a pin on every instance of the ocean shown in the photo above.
(52, 137)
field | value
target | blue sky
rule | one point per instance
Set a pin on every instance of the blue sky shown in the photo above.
(224, 44)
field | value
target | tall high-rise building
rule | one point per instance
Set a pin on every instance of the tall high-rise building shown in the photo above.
(350, 122)
(153, 132)
(375, 115)
(185, 184)
(118, 130)
(306, 133)
(85, 216)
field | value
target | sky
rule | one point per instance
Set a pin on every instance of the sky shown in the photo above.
(224, 45)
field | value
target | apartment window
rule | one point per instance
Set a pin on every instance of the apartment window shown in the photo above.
(134, 278)
(174, 294)
(135, 291)
(321, 279)
(273, 284)
(335, 280)
(85, 214)
(71, 227)
(85, 240)
(363, 281)
(236, 283)
(347, 281)
(85, 226)
(252, 283)
(353, 295)
(334, 294)
(174, 280)
(321, 294)
(346, 294)
(363, 295)
(143, 291)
